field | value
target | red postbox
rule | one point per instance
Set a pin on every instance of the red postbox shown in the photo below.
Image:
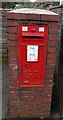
(32, 47)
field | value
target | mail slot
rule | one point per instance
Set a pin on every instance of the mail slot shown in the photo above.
(32, 47)
(32, 35)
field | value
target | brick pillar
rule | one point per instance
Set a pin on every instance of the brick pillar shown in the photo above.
(31, 102)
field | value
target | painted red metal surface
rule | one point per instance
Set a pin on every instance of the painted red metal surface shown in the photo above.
(32, 47)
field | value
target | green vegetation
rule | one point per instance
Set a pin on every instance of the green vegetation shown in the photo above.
(17, 5)
(24, 5)
(8, 5)
(4, 60)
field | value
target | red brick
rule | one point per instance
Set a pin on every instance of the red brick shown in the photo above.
(13, 72)
(47, 98)
(32, 93)
(26, 107)
(44, 22)
(28, 98)
(16, 16)
(38, 17)
(51, 61)
(13, 88)
(52, 37)
(16, 103)
(12, 29)
(51, 49)
(42, 108)
(12, 49)
(53, 24)
(49, 83)
(21, 16)
(40, 88)
(48, 88)
(36, 103)
(52, 43)
(13, 83)
(14, 94)
(53, 30)
(12, 43)
(12, 67)
(13, 78)
(12, 55)
(51, 67)
(49, 72)
(48, 92)
(11, 23)
(33, 17)
(34, 21)
(12, 37)
(51, 55)
(48, 102)
(12, 61)
(40, 98)
(14, 99)
(28, 89)
(49, 77)
(32, 99)
(49, 17)
(35, 111)
(22, 21)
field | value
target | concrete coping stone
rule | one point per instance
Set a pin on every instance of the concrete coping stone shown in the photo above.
(33, 11)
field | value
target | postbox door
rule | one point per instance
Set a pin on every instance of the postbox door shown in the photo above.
(31, 65)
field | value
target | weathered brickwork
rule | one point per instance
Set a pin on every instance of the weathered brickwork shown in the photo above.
(30, 102)
(3, 25)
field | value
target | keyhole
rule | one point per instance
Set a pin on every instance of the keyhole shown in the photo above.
(26, 64)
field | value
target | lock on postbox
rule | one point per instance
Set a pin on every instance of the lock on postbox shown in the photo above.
(32, 45)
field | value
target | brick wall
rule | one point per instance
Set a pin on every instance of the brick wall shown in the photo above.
(36, 101)
(3, 25)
